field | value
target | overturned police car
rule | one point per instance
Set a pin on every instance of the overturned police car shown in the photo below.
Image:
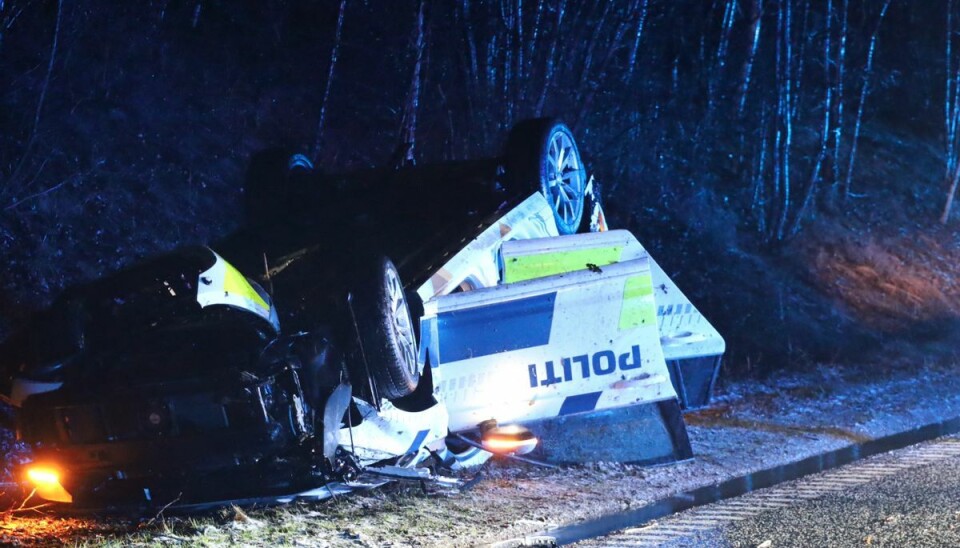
(392, 320)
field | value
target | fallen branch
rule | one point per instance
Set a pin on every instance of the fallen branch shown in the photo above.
(162, 510)
(24, 503)
(36, 508)
(23, 506)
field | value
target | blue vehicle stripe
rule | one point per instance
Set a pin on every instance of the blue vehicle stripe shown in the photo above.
(580, 403)
(466, 456)
(501, 327)
(428, 339)
(418, 441)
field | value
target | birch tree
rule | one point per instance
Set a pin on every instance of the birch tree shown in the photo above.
(951, 116)
(331, 67)
(864, 92)
(408, 125)
(756, 18)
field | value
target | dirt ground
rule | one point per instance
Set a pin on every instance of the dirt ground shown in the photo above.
(751, 425)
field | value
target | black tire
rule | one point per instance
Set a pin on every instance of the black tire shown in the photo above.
(386, 330)
(593, 215)
(534, 150)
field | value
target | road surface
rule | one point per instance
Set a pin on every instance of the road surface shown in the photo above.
(909, 497)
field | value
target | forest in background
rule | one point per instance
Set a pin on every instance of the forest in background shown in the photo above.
(736, 138)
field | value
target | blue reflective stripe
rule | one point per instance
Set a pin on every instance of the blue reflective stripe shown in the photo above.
(466, 456)
(501, 327)
(580, 403)
(418, 441)
(428, 338)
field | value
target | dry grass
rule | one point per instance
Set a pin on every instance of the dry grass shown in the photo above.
(891, 282)
(513, 500)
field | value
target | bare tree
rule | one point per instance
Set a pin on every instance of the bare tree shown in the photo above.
(590, 82)
(759, 205)
(551, 59)
(9, 13)
(408, 124)
(31, 140)
(783, 205)
(334, 53)
(951, 117)
(864, 90)
(785, 113)
(637, 35)
(720, 60)
(813, 183)
(756, 18)
(839, 100)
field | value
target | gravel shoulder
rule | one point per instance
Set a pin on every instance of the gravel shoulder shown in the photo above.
(751, 425)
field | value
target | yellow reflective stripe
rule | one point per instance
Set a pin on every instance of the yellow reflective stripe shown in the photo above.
(234, 283)
(638, 307)
(529, 267)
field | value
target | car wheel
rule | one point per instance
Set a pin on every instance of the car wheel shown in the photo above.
(386, 331)
(543, 152)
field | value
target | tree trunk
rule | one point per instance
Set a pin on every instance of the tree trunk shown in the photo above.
(334, 53)
(814, 182)
(756, 15)
(408, 126)
(551, 59)
(632, 61)
(839, 101)
(864, 90)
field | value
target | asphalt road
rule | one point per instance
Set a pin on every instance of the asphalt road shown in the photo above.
(906, 498)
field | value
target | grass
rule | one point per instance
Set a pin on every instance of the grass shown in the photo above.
(397, 515)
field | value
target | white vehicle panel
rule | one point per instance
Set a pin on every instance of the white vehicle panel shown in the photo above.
(684, 332)
(222, 284)
(520, 352)
(391, 432)
(476, 264)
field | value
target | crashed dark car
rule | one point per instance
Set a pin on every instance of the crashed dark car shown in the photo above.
(181, 379)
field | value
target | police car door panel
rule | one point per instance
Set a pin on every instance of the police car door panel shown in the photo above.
(546, 347)
(684, 332)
